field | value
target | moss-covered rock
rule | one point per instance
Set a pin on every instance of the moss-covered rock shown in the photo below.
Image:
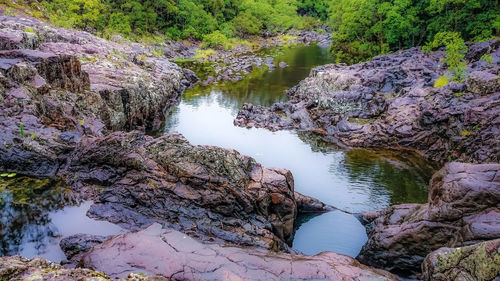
(19, 268)
(479, 262)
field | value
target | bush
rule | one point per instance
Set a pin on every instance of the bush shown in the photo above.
(203, 54)
(455, 53)
(246, 23)
(214, 40)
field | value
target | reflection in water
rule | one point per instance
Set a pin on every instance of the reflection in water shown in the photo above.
(329, 232)
(33, 219)
(353, 180)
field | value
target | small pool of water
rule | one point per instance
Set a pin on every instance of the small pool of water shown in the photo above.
(353, 180)
(33, 219)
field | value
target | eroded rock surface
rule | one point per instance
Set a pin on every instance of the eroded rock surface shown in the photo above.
(202, 190)
(171, 253)
(479, 262)
(462, 209)
(65, 92)
(391, 101)
(19, 268)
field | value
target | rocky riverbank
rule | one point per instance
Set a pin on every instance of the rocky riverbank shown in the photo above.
(234, 64)
(76, 108)
(391, 101)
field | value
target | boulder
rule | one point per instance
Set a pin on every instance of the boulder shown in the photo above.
(479, 262)
(483, 83)
(462, 209)
(205, 191)
(171, 253)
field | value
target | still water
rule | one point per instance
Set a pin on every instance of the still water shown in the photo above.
(353, 180)
(34, 218)
(35, 214)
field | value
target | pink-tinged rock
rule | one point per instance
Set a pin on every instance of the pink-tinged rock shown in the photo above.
(463, 207)
(171, 253)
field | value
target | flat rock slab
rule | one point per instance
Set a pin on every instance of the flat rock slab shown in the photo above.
(170, 253)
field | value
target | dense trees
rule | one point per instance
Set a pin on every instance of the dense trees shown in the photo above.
(361, 28)
(184, 18)
(364, 28)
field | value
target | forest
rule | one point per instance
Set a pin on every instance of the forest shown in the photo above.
(360, 29)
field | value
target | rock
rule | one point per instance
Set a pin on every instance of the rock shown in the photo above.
(391, 101)
(80, 243)
(483, 83)
(462, 209)
(205, 191)
(170, 253)
(307, 204)
(479, 262)
(19, 268)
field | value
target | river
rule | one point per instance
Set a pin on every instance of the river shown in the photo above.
(35, 215)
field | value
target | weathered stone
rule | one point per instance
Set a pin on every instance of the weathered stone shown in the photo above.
(171, 253)
(22, 269)
(463, 208)
(204, 191)
(393, 100)
(479, 262)
(483, 83)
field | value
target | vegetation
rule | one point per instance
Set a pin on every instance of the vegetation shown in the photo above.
(365, 28)
(441, 81)
(21, 130)
(179, 19)
(455, 52)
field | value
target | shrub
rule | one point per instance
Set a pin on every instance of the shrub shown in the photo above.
(455, 53)
(214, 40)
(203, 54)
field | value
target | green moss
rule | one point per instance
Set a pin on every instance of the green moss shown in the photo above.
(29, 30)
(457, 95)
(361, 121)
(183, 60)
(475, 261)
(465, 133)
(288, 38)
(441, 81)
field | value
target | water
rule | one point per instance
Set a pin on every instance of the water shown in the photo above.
(355, 180)
(36, 214)
(34, 219)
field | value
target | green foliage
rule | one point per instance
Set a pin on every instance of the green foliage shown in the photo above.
(441, 81)
(455, 52)
(364, 28)
(203, 54)
(314, 8)
(214, 40)
(21, 130)
(179, 19)
(487, 58)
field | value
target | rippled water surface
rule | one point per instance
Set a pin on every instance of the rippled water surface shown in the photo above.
(354, 180)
